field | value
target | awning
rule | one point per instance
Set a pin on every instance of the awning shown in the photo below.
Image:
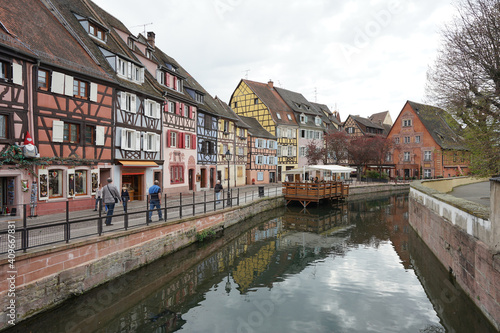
(331, 168)
(138, 163)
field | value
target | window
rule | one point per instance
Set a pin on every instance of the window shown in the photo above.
(407, 156)
(226, 126)
(317, 121)
(241, 132)
(188, 141)
(3, 126)
(388, 157)
(417, 139)
(89, 134)
(303, 119)
(289, 117)
(80, 88)
(129, 70)
(131, 140)
(241, 151)
(278, 152)
(55, 183)
(96, 31)
(128, 102)
(43, 79)
(317, 135)
(427, 155)
(272, 160)
(427, 173)
(152, 109)
(235, 104)
(302, 151)
(303, 134)
(239, 172)
(260, 176)
(177, 174)
(173, 139)
(71, 133)
(290, 150)
(406, 122)
(278, 116)
(407, 139)
(151, 142)
(4, 70)
(350, 130)
(255, 101)
(80, 182)
(310, 134)
(260, 143)
(271, 144)
(396, 140)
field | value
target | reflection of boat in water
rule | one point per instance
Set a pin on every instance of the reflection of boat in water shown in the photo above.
(324, 220)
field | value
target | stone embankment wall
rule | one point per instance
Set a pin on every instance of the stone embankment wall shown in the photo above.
(46, 277)
(376, 188)
(464, 237)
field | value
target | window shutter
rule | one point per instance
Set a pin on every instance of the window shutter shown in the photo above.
(133, 103)
(158, 142)
(180, 142)
(257, 159)
(193, 141)
(68, 85)
(17, 74)
(57, 85)
(245, 151)
(167, 79)
(99, 135)
(123, 100)
(177, 108)
(93, 92)
(175, 83)
(168, 138)
(124, 140)
(158, 110)
(145, 142)
(142, 75)
(71, 185)
(190, 112)
(294, 151)
(137, 140)
(43, 181)
(57, 131)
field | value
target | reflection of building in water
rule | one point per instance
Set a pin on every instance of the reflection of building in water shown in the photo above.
(396, 217)
(316, 220)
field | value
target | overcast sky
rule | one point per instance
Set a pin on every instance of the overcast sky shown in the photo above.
(359, 56)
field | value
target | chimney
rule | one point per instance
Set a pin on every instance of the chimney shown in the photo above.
(270, 84)
(151, 39)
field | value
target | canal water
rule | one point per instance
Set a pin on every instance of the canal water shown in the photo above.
(353, 267)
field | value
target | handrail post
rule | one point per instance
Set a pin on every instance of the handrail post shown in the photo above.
(194, 199)
(180, 205)
(24, 239)
(238, 198)
(204, 201)
(165, 205)
(125, 221)
(147, 209)
(215, 202)
(66, 226)
(223, 201)
(99, 220)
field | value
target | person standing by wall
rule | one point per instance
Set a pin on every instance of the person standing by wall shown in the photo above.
(125, 198)
(154, 203)
(217, 189)
(110, 196)
(98, 197)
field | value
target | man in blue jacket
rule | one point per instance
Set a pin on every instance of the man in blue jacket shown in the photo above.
(154, 200)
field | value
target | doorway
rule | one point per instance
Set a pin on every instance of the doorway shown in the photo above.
(212, 177)
(191, 179)
(134, 184)
(203, 177)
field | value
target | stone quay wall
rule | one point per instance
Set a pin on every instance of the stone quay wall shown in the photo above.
(46, 277)
(464, 237)
(377, 188)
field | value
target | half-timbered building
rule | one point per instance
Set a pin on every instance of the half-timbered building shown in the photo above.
(71, 110)
(231, 137)
(312, 123)
(137, 105)
(262, 102)
(358, 126)
(262, 158)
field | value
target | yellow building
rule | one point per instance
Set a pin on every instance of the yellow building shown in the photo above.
(262, 102)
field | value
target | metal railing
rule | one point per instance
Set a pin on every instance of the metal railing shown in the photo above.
(64, 227)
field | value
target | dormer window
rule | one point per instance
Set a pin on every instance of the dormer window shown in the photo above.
(96, 31)
(129, 70)
(200, 98)
(317, 121)
(303, 118)
(289, 117)
(278, 116)
(130, 43)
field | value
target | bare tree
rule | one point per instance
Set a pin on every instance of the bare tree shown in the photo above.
(336, 147)
(314, 153)
(465, 79)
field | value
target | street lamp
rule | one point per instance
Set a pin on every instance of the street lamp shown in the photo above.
(228, 159)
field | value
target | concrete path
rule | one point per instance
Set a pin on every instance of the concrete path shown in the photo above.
(478, 193)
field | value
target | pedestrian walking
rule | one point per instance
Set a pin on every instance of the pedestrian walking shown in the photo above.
(98, 197)
(154, 200)
(218, 189)
(110, 196)
(125, 198)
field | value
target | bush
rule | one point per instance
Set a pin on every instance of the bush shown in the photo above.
(372, 174)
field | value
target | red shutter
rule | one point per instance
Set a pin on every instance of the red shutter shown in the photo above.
(168, 138)
(167, 79)
(177, 108)
(175, 83)
(182, 107)
(193, 141)
(183, 142)
(190, 113)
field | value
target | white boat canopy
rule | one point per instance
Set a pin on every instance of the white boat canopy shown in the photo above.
(343, 171)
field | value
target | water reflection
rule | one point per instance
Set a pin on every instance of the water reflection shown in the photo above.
(352, 267)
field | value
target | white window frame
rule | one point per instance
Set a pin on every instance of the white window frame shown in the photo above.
(128, 102)
(407, 156)
(427, 173)
(417, 139)
(317, 121)
(131, 139)
(427, 155)
(151, 142)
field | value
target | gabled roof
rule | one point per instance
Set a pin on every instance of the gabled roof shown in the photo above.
(440, 125)
(256, 129)
(380, 117)
(300, 105)
(35, 32)
(68, 10)
(270, 97)
(366, 122)
(231, 113)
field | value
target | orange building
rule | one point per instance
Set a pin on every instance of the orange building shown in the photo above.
(427, 144)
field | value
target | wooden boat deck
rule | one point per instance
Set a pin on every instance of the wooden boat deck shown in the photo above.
(306, 193)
